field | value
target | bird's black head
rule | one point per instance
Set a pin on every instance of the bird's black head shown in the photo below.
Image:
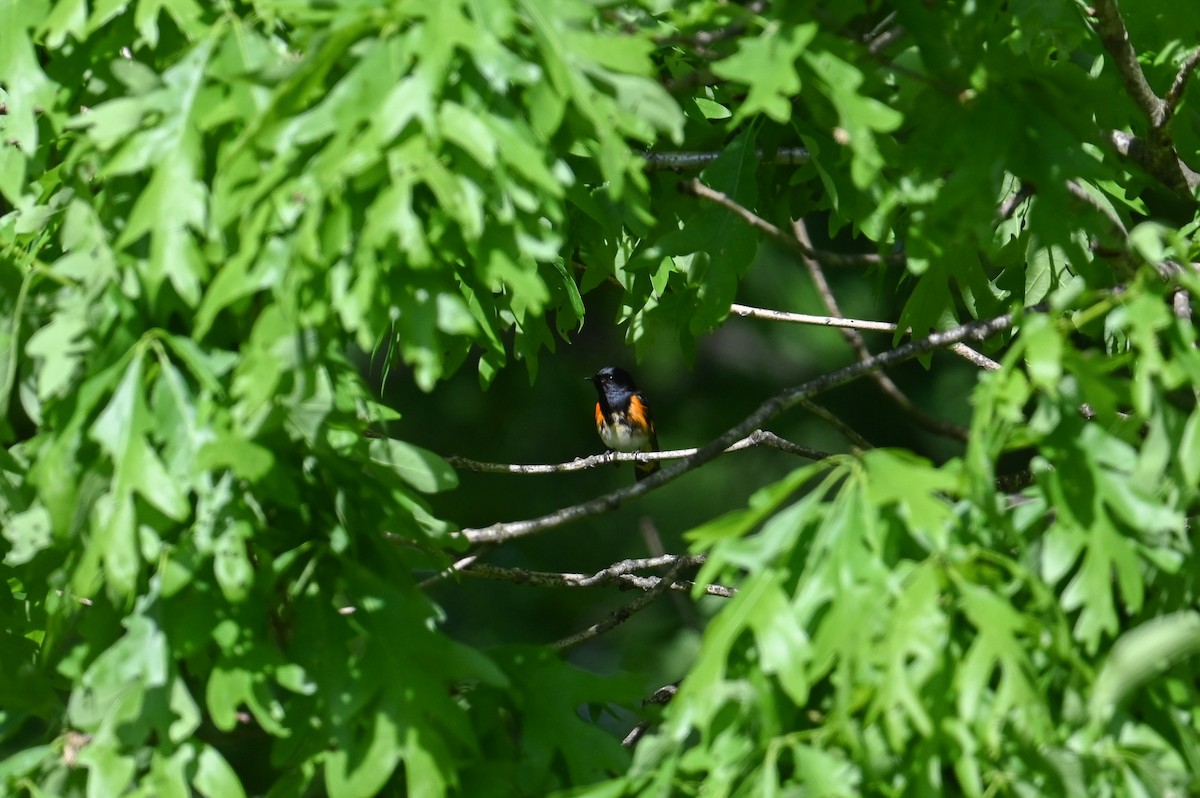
(613, 384)
(611, 375)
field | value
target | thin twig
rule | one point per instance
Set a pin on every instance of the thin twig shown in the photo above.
(654, 545)
(1014, 200)
(885, 40)
(702, 40)
(852, 336)
(695, 161)
(974, 357)
(605, 578)
(1174, 94)
(622, 614)
(757, 438)
(698, 189)
(978, 330)
(1115, 38)
(458, 566)
(748, 311)
(837, 423)
(662, 695)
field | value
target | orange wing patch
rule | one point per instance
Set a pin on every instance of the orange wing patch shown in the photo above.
(639, 416)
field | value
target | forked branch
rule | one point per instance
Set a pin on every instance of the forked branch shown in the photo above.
(1156, 153)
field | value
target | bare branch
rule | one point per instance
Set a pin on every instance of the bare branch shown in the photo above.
(458, 566)
(975, 358)
(748, 311)
(1157, 154)
(698, 189)
(889, 388)
(784, 400)
(694, 161)
(623, 613)
(1115, 38)
(837, 423)
(1177, 176)
(662, 695)
(618, 575)
(654, 545)
(757, 438)
(1179, 84)
(702, 40)
(885, 40)
(1014, 200)
(1181, 305)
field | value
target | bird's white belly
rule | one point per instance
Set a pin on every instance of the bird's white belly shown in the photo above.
(624, 438)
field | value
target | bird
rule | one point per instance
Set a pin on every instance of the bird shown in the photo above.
(623, 417)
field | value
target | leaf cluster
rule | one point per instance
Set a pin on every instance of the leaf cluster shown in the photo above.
(214, 552)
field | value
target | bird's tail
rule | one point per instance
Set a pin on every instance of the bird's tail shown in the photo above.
(643, 470)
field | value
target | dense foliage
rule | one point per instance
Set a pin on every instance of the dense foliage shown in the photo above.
(216, 557)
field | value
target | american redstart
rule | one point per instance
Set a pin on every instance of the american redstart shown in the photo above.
(623, 417)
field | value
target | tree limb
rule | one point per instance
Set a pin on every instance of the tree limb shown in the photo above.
(757, 438)
(622, 614)
(1177, 176)
(1156, 154)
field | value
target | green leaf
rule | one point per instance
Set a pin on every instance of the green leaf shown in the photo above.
(861, 117)
(766, 64)
(29, 532)
(919, 490)
(115, 686)
(419, 467)
(60, 346)
(1140, 654)
(465, 129)
(996, 656)
(214, 778)
(114, 539)
(1044, 353)
(1189, 449)
(119, 426)
(1091, 590)
(21, 764)
(1148, 240)
(361, 770)
(231, 563)
(245, 457)
(825, 774)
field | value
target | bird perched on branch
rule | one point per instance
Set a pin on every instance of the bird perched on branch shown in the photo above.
(623, 417)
